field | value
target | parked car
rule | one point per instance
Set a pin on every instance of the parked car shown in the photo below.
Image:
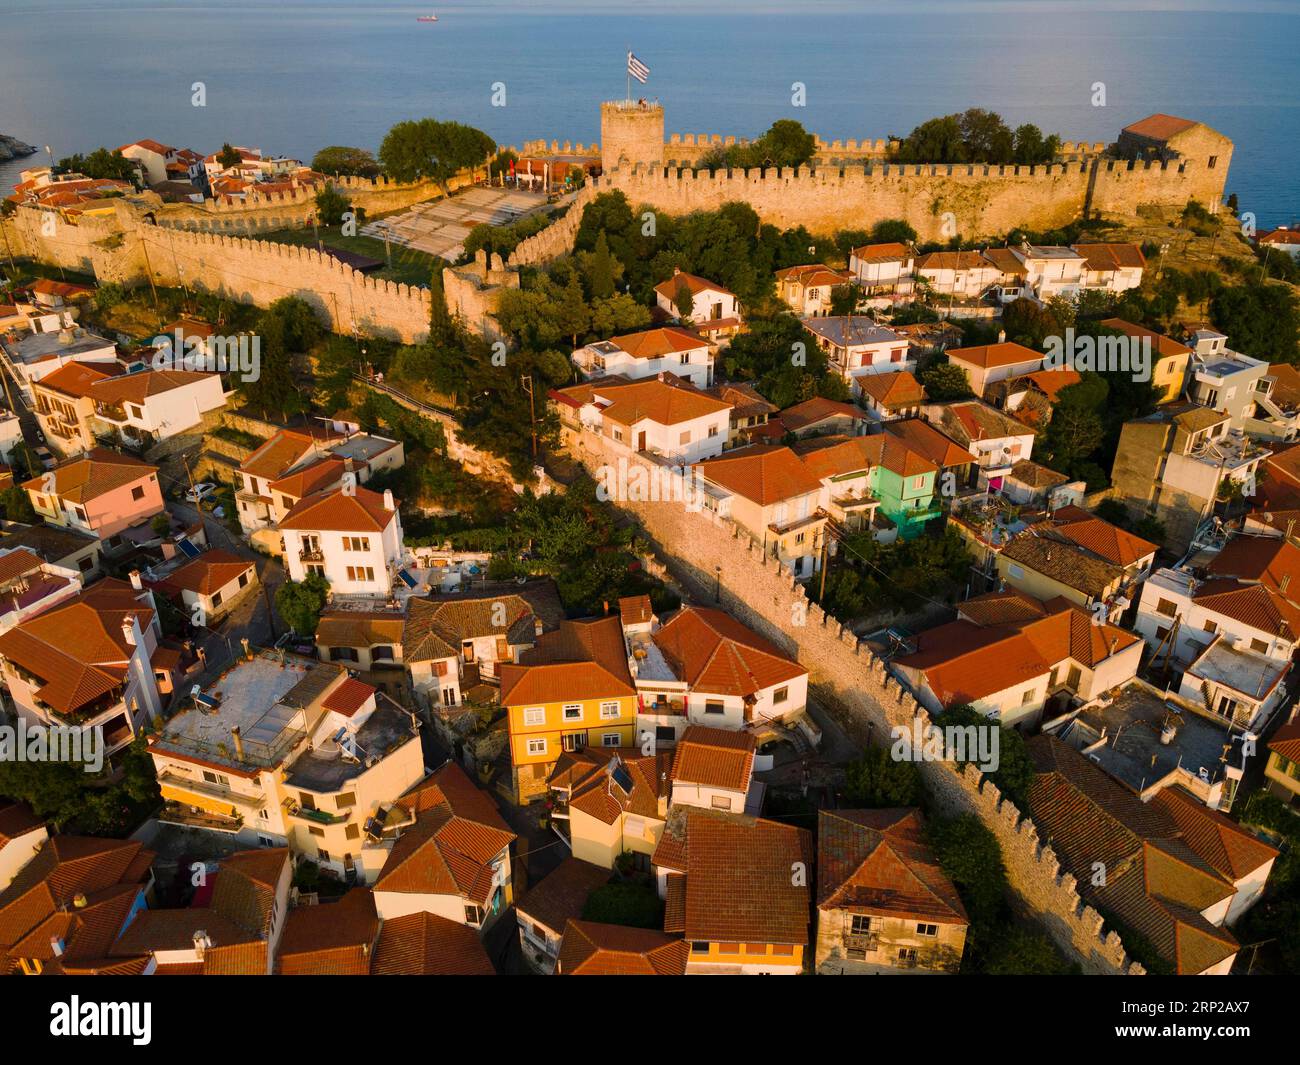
(200, 492)
(48, 461)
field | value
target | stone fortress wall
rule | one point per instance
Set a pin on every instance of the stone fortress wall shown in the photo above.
(129, 250)
(704, 552)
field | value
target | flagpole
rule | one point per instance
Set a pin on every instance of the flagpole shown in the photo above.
(629, 75)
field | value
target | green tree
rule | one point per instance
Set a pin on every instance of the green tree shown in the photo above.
(684, 300)
(17, 505)
(573, 314)
(787, 144)
(102, 164)
(331, 206)
(945, 381)
(618, 314)
(1263, 320)
(635, 905)
(878, 780)
(600, 273)
(1015, 771)
(228, 156)
(432, 150)
(340, 161)
(301, 602)
(891, 231)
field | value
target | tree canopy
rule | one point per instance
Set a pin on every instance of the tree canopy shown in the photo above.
(340, 161)
(427, 149)
(976, 136)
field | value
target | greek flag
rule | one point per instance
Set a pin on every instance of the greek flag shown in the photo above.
(637, 69)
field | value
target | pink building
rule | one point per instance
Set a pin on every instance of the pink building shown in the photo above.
(101, 493)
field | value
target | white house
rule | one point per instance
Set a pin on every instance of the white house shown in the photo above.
(999, 441)
(713, 769)
(156, 405)
(965, 274)
(807, 290)
(987, 363)
(886, 268)
(661, 415)
(857, 346)
(715, 311)
(351, 538)
(703, 667)
(1248, 596)
(1111, 268)
(669, 349)
(1052, 270)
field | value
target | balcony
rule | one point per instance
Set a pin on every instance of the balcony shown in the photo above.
(861, 941)
(311, 554)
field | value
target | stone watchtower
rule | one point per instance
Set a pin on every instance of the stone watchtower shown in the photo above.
(631, 133)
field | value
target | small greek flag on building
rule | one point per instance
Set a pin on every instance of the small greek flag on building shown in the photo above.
(637, 69)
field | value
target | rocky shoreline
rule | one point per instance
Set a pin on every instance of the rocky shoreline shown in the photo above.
(12, 148)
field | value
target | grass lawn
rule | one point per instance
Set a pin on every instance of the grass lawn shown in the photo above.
(409, 267)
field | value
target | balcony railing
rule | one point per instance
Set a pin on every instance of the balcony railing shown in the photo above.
(311, 554)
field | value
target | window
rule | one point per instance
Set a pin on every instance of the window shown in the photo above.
(907, 955)
(574, 741)
(216, 778)
(608, 710)
(313, 830)
(721, 802)
(1015, 571)
(698, 947)
(535, 715)
(352, 831)
(686, 358)
(714, 706)
(1027, 697)
(243, 580)
(618, 435)
(383, 653)
(365, 574)
(1073, 678)
(536, 746)
(928, 930)
(1167, 608)
(1210, 626)
(1214, 160)
(473, 914)
(780, 695)
(216, 599)
(572, 711)
(308, 802)
(1259, 645)
(345, 799)
(609, 739)
(713, 431)
(918, 483)
(137, 492)
(783, 950)
(356, 543)
(343, 654)
(685, 437)
(860, 925)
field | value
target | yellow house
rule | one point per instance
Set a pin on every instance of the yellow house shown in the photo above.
(571, 691)
(610, 802)
(1169, 359)
(738, 889)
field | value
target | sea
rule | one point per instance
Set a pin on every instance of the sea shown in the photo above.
(294, 76)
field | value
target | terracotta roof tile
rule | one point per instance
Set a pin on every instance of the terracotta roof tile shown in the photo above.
(764, 475)
(716, 654)
(94, 474)
(422, 944)
(338, 511)
(578, 661)
(592, 949)
(560, 895)
(716, 758)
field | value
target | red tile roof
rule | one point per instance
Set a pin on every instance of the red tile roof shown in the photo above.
(422, 944)
(715, 654)
(878, 862)
(762, 474)
(1160, 127)
(741, 876)
(592, 949)
(580, 660)
(715, 758)
(360, 510)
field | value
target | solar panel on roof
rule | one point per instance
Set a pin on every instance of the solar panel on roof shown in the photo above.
(618, 772)
(188, 549)
(407, 579)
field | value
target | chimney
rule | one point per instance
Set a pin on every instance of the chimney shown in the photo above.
(388, 499)
(128, 629)
(136, 582)
(605, 603)
(201, 943)
(537, 627)
(56, 945)
(1002, 336)
(238, 740)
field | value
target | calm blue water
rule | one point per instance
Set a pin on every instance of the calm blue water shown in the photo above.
(293, 76)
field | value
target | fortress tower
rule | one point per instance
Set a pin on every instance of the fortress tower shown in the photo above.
(630, 133)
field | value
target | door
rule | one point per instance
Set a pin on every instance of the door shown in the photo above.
(640, 440)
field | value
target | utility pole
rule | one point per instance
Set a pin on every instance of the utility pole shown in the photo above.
(527, 381)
